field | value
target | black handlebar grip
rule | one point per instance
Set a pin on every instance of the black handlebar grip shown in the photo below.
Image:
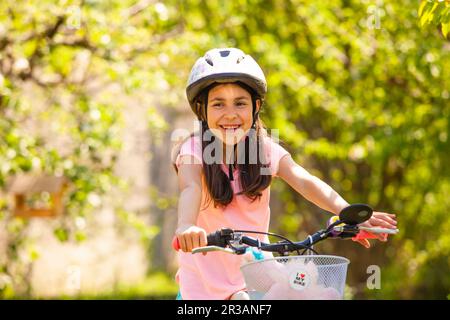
(220, 238)
(215, 239)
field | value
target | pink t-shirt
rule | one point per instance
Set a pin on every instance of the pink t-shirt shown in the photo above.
(217, 275)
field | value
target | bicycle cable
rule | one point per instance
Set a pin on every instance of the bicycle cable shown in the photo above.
(273, 235)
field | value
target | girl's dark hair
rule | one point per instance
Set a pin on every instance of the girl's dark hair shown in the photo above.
(251, 179)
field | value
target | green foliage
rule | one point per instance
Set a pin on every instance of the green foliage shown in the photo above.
(146, 233)
(435, 12)
(156, 285)
(360, 95)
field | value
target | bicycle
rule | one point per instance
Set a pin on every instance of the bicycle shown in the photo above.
(310, 276)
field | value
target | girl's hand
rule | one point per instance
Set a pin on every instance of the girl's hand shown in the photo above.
(380, 220)
(190, 237)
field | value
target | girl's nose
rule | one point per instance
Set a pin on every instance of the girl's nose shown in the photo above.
(230, 114)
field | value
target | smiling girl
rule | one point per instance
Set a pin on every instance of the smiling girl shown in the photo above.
(225, 172)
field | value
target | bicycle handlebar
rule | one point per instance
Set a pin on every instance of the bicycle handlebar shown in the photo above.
(346, 226)
(221, 237)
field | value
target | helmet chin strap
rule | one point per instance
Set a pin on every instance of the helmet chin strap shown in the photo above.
(255, 117)
(230, 168)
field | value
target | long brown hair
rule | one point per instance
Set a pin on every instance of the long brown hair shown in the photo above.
(251, 180)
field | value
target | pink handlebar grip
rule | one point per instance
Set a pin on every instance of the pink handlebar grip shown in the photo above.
(175, 244)
(364, 235)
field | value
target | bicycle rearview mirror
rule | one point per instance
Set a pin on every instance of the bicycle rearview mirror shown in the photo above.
(355, 214)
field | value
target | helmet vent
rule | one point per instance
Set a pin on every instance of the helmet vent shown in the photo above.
(208, 59)
(224, 53)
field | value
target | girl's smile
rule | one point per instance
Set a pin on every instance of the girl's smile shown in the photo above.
(230, 112)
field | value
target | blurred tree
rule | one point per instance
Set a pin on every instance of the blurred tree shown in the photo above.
(80, 57)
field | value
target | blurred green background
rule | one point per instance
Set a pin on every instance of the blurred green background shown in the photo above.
(359, 91)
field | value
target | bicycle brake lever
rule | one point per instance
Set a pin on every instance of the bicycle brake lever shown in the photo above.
(379, 230)
(212, 248)
(345, 232)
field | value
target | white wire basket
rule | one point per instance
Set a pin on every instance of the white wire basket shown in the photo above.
(309, 277)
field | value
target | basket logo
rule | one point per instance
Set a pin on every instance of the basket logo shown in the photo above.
(299, 279)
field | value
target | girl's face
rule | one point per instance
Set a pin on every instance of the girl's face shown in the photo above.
(229, 112)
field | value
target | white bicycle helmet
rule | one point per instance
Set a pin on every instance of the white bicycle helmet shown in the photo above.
(225, 65)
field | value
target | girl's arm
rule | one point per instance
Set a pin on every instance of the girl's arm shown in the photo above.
(321, 194)
(189, 181)
(310, 187)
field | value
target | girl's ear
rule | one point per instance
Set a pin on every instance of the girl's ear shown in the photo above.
(258, 105)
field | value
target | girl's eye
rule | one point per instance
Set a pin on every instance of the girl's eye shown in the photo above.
(241, 104)
(217, 105)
